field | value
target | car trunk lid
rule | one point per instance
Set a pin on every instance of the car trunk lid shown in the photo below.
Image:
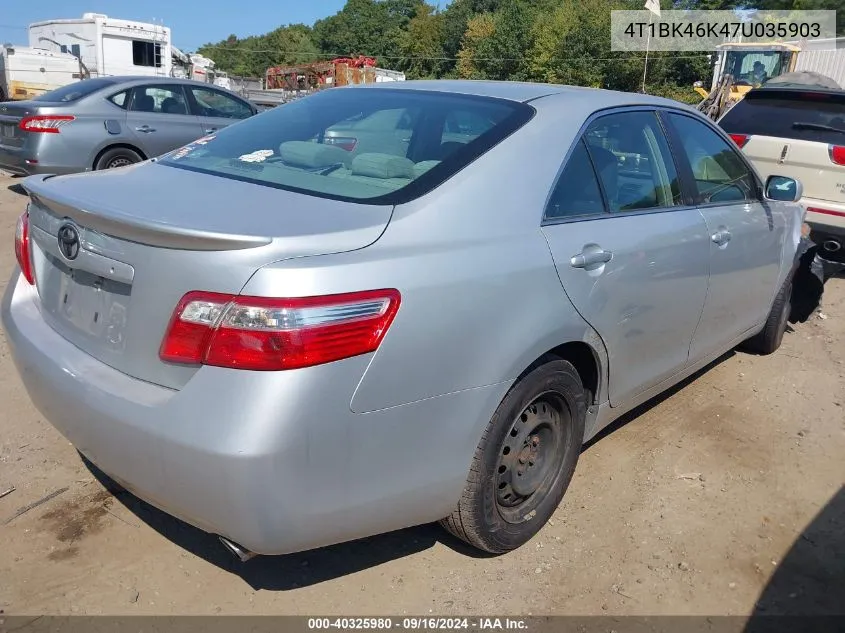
(11, 114)
(114, 251)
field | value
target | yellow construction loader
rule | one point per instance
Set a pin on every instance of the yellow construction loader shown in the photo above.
(741, 67)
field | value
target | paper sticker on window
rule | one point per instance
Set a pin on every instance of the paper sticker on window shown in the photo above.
(256, 157)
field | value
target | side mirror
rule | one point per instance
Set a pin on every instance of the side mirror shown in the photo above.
(784, 189)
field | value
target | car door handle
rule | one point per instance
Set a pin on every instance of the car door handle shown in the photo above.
(210, 130)
(590, 258)
(721, 237)
(146, 129)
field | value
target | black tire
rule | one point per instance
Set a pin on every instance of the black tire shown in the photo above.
(523, 450)
(117, 157)
(771, 336)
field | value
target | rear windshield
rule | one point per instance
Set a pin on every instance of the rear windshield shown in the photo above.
(807, 116)
(74, 91)
(383, 146)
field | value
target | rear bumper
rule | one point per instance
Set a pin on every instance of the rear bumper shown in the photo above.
(825, 216)
(19, 161)
(275, 461)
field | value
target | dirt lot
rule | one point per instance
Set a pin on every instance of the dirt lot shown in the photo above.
(724, 497)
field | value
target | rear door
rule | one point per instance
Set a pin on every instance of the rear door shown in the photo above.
(632, 257)
(746, 235)
(216, 109)
(160, 119)
(795, 133)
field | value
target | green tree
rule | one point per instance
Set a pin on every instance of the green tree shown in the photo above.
(251, 56)
(502, 55)
(367, 27)
(421, 45)
(478, 30)
(805, 5)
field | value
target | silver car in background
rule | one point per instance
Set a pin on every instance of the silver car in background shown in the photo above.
(111, 122)
(292, 343)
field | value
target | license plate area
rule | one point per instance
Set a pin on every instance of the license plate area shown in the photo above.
(7, 130)
(88, 309)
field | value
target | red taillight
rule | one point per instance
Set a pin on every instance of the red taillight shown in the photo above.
(22, 247)
(45, 123)
(344, 142)
(262, 333)
(739, 139)
(837, 154)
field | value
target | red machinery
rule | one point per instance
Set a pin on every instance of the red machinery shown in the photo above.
(315, 76)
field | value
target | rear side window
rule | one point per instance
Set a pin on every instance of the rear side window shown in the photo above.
(383, 145)
(577, 191)
(719, 173)
(806, 116)
(120, 99)
(75, 91)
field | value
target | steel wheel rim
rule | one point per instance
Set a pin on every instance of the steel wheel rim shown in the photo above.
(121, 161)
(531, 455)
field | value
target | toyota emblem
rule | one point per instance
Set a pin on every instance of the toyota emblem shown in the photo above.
(68, 241)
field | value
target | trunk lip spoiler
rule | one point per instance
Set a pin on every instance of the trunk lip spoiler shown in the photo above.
(132, 227)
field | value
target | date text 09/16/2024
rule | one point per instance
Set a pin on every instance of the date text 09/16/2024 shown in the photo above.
(417, 624)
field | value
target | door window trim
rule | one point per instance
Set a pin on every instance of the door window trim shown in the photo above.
(173, 87)
(685, 168)
(686, 201)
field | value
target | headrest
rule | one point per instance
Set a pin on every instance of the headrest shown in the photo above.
(423, 166)
(382, 166)
(312, 155)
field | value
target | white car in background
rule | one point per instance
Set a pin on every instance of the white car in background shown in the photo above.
(799, 132)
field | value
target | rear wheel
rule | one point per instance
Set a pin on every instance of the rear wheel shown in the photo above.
(525, 460)
(117, 157)
(771, 336)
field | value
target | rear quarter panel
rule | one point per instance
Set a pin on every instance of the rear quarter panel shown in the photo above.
(97, 126)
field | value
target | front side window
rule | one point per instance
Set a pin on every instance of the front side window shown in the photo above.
(577, 190)
(719, 173)
(382, 145)
(159, 99)
(146, 54)
(216, 104)
(632, 158)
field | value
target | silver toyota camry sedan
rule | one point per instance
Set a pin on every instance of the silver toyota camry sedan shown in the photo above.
(383, 306)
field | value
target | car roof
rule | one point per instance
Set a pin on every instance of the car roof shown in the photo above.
(525, 91)
(126, 79)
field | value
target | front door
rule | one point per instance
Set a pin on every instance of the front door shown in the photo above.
(631, 257)
(746, 238)
(217, 109)
(160, 119)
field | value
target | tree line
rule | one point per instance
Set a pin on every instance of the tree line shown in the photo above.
(555, 41)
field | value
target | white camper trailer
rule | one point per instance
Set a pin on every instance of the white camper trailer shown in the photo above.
(108, 46)
(26, 72)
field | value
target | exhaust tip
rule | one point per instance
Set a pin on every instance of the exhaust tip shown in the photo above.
(241, 553)
(831, 246)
